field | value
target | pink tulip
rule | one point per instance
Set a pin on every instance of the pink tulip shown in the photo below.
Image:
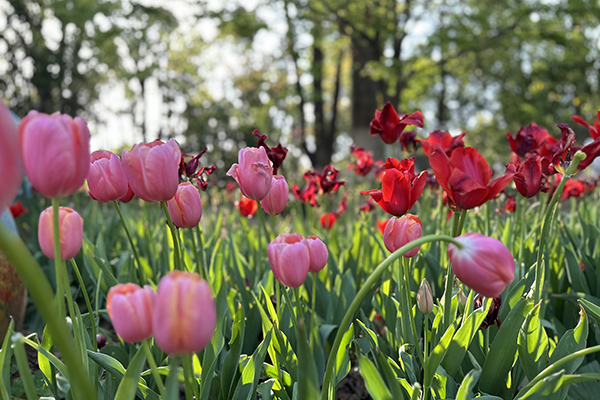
(185, 315)
(152, 169)
(128, 196)
(318, 253)
(10, 163)
(106, 179)
(56, 152)
(253, 173)
(289, 258)
(484, 264)
(401, 231)
(277, 197)
(185, 207)
(130, 309)
(70, 230)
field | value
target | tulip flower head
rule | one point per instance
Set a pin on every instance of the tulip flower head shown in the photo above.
(442, 140)
(594, 130)
(277, 198)
(425, 297)
(253, 172)
(484, 264)
(328, 220)
(318, 253)
(106, 178)
(128, 196)
(152, 169)
(289, 258)
(185, 315)
(130, 308)
(532, 139)
(400, 231)
(389, 126)
(529, 178)
(247, 207)
(70, 230)
(56, 152)
(185, 208)
(10, 164)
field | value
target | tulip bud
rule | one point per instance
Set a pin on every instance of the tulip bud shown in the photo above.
(185, 208)
(152, 169)
(400, 231)
(462, 300)
(130, 308)
(318, 253)
(70, 230)
(185, 315)
(289, 258)
(277, 197)
(425, 298)
(484, 264)
(254, 173)
(106, 178)
(10, 164)
(56, 152)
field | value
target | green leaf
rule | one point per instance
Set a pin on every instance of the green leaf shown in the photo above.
(436, 356)
(128, 385)
(308, 381)
(342, 358)
(246, 387)
(43, 362)
(5, 356)
(533, 344)
(591, 309)
(230, 364)
(467, 385)
(374, 382)
(573, 340)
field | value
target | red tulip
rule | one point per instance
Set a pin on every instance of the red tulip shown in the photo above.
(400, 188)
(328, 220)
(389, 126)
(17, 209)
(10, 162)
(567, 148)
(594, 130)
(363, 161)
(442, 140)
(465, 177)
(532, 139)
(529, 178)
(247, 207)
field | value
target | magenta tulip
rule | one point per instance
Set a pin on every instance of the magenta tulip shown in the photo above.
(277, 198)
(56, 152)
(70, 230)
(318, 253)
(185, 315)
(10, 163)
(400, 231)
(152, 169)
(253, 173)
(484, 264)
(289, 258)
(106, 179)
(185, 208)
(130, 308)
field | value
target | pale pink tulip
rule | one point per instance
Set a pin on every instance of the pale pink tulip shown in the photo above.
(10, 163)
(106, 179)
(318, 253)
(185, 208)
(401, 231)
(130, 308)
(253, 173)
(289, 259)
(70, 230)
(277, 198)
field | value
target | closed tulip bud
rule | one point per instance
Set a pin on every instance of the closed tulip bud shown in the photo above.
(70, 230)
(277, 198)
(185, 315)
(185, 207)
(56, 152)
(253, 172)
(10, 164)
(152, 169)
(425, 298)
(401, 231)
(484, 264)
(130, 308)
(318, 253)
(289, 259)
(106, 179)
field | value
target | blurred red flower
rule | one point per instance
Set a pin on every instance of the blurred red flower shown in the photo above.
(389, 126)
(328, 220)
(442, 140)
(276, 154)
(532, 139)
(594, 130)
(247, 207)
(363, 161)
(17, 209)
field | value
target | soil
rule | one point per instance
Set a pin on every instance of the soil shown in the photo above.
(352, 387)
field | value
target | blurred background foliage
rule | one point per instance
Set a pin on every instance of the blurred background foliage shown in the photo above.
(309, 73)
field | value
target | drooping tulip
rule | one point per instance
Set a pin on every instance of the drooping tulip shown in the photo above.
(484, 264)
(253, 172)
(106, 178)
(277, 198)
(401, 231)
(185, 315)
(130, 308)
(70, 230)
(152, 169)
(185, 208)
(56, 152)
(318, 253)
(289, 258)
(10, 164)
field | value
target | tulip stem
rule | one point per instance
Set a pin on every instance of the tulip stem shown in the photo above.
(196, 257)
(188, 373)
(458, 221)
(140, 268)
(410, 313)
(153, 368)
(289, 304)
(60, 269)
(176, 252)
(87, 303)
(205, 265)
(425, 352)
(23, 365)
(365, 288)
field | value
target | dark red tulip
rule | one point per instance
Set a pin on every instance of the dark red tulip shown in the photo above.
(492, 315)
(328, 220)
(594, 130)
(389, 126)
(276, 154)
(529, 178)
(409, 139)
(368, 206)
(532, 139)
(566, 149)
(328, 180)
(511, 204)
(465, 177)
(363, 161)
(442, 140)
(17, 209)
(308, 194)
(400, 188)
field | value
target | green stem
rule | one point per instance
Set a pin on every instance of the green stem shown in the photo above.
(88, 303)
(201, 242)
(188, 373)
(312, 307)
(45, 301)
(410, 314)
(153, 367)
(366, 287)
(196, 257)
(176, 250)
(24, 371)
(298, 303)
(425, 352)
(458, 220)
(289, 304)
(60, 268)
(140, 268)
